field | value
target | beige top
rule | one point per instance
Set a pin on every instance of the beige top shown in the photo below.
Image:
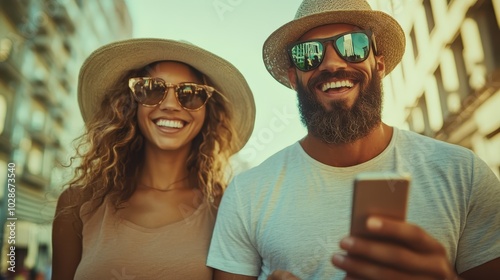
(117, 249)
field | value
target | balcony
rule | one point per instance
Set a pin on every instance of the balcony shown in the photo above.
(41, 43)
(37, 181)
(16, 11)
(9, 72)
(44, 94)
(493, 79)
(64, 15)
(40, 84)
(59, 114)
(5, 143)
(10, 60)
(45, 85)
(40, 136)
(470, 105)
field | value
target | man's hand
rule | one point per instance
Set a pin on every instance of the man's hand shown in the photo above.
(411, 253)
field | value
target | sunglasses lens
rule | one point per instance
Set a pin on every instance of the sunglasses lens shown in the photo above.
(149, 91)
(353, 47)
(191, 96)
(307, 55)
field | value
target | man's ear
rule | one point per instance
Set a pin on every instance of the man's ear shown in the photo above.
(380, 65)
(292, 77)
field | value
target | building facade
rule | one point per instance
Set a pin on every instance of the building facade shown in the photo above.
(42, 46)
(448, 84)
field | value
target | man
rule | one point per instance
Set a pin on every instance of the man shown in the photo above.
(292, 212)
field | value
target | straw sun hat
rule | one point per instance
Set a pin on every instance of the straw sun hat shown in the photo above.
(389, 35)
(106, 65)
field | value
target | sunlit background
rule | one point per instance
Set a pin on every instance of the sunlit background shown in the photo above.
(447, 86)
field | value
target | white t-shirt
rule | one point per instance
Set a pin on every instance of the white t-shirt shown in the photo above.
(291, 211)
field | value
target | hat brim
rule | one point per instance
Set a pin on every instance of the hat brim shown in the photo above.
(390, 38)
(105, 66)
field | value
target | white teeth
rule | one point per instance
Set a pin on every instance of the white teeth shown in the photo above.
(338, 84)
(170, 123)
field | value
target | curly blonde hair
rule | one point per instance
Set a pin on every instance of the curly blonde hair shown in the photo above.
(111, 150)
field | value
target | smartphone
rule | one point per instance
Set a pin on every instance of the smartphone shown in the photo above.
(382, 194)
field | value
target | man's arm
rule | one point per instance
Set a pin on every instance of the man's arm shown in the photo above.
(486, 271)
(232, 248)
(282, 275)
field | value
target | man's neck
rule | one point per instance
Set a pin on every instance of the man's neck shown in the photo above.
(344, 155)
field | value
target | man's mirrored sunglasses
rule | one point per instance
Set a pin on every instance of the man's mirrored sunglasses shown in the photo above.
(351, 46)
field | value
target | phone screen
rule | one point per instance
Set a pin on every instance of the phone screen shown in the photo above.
(381, 194)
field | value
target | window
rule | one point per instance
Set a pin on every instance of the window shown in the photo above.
(433, 105)
(448, 84)
(473, 53)
(419, 118)
(489, 33)
(422, 104)
(414, 43)
(457, 49)
(5, 48)
(37, 120)
(417, 122)
(3, 113)
(429, 14)
(3, 179)
(440, 86)
(35, 160)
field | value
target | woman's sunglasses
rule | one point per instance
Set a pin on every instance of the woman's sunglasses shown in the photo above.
(351, 46)
(151, 92)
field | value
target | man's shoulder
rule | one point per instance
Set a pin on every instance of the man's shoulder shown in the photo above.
(419, 143)
(272, 163)
(269, 171)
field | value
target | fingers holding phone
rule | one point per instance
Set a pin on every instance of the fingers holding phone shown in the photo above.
(382, 245)
(405, 251)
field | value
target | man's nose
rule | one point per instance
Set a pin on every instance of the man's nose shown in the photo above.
(331, 60)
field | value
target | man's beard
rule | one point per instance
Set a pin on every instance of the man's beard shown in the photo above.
(341, 124)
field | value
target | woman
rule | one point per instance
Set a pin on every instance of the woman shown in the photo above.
(162, 118)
